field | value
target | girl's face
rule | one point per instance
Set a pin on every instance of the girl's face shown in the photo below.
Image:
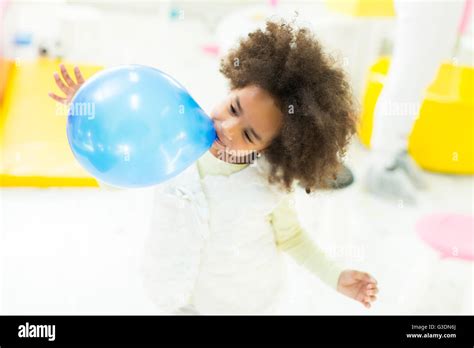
(246, 122)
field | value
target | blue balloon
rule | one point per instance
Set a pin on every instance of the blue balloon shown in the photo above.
(135, 126)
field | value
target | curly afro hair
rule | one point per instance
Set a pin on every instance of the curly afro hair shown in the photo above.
(312, 93)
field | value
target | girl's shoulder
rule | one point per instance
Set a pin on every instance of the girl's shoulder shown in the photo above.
(262, 170)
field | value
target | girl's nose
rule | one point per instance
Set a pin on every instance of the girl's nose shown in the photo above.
(229, 127)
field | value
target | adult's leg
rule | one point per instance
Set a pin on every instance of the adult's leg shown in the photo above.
(424, 37)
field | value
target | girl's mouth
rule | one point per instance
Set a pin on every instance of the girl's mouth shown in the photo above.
(218, 140)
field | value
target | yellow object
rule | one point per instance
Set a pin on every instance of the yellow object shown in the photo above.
(33, 141)
(363, 8)
(375, 81)
(442, 139)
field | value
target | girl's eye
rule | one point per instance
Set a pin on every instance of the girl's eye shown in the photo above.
(232, 110)
(248, 137)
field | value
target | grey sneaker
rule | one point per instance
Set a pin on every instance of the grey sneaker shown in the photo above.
(343, 179)
(390, 183)
(412, 170)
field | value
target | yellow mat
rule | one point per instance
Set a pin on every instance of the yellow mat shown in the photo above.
(33, 141)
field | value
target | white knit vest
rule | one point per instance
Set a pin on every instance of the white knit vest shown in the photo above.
(211, 243)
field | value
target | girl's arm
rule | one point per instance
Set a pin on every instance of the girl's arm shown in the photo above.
(294, 240)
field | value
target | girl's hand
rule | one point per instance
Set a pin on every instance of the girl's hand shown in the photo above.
(360, 286)
(70, 87)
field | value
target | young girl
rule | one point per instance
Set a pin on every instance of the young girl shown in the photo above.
(218, 228)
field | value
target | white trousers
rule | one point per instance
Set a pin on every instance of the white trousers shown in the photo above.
(425, 36)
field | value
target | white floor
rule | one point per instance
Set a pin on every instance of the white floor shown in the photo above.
(78, 251)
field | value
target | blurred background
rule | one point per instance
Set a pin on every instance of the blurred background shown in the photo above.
(68, 247)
